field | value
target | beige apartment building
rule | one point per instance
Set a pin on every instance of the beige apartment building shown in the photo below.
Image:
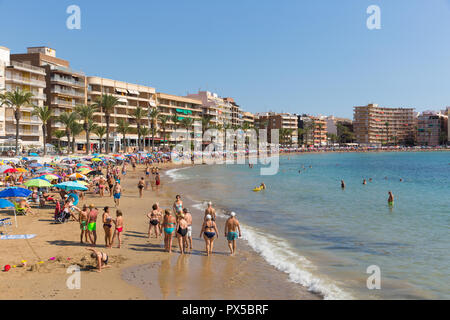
(315, 130)
(430, 126)
(130, 96)
(15, 75)
(219, 108)
(374, 125)
(248, 118)
(65, 88)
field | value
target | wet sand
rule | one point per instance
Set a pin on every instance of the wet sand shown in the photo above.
(140, 269)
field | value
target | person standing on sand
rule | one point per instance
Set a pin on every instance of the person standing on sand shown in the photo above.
(92, 224)
(209, 231)
(211, 211)
(141, 186)
(182, 230)
(117, 193)
(169, 227)
(110, 183)
(160, 217)
(153, 217)
(178, 205)
(231, 232)
(391, 199)
(83, 218)
(118, 222)
(188, 218)
(107, 225)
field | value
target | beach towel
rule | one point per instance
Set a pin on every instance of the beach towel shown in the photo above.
(17, 236)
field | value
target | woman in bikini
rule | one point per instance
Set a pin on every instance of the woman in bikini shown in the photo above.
(141, 185)
(119, 228)
(107, 225)
(209, 231)
(101, 257)
(169, 227)
(182, 231)
(154, 221)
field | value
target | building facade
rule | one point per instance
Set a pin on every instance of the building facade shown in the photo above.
(431, 126)
(374, 125)
(218, 108)
(285, 122)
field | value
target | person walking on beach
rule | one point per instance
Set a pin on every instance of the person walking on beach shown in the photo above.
(153, 217)
(169, 227)
(157, 180)
(182, 230)
(211, 211)
(118, 222)
(117, 193)
(141, 186)
(209, 231)
(390, 199)
(178, 205)
(231, 232)
(83, 218)
(188, 218)
(92, 224)
(107, 225)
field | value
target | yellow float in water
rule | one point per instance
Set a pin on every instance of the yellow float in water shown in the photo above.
(257, 189)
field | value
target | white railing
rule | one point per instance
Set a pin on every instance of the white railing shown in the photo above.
(28, 67)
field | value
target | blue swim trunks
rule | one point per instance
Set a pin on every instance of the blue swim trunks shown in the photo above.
(232, 235)
(116, 195)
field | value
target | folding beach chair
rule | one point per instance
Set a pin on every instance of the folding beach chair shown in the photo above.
(19, 210)
(4, 223)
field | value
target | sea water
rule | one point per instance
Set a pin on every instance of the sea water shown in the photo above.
(325, 237)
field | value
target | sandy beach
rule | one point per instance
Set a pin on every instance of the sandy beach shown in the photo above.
(140, 269)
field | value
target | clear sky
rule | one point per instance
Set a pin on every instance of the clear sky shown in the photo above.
(299, 56)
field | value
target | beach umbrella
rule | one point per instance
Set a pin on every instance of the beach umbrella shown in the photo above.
(39, 183)
(25, 159)
(6, 204)
(15, 192)
(77, 176)
(35, 165)
(22, 170)
(84, 183)
(50, 176)
(33, 154)
(70, 185)
(10, 170)
(4, 167)
(96, 160)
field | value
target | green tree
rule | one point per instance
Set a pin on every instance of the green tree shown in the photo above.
(75, 128)
(16, 100)
(206, 123)
(59, 134)
(67, 119)
(187, 124)
(44, 114)
(123, 127)
(86, 113)
(154, 114)
(100, 132)
(163, 120)
(138, 114)
(107, 104)
(174, 118)
(143, 132)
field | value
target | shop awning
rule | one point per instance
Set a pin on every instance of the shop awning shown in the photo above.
(133, 92)
(121, 90)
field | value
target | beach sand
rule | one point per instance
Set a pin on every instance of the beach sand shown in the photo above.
(140, 269)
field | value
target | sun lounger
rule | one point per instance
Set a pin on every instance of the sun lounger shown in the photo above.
(4, 223)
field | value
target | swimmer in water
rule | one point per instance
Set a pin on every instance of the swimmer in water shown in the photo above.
(262, 186)
(370, 179)
(364, 181)
(342, 184)
(391, 199)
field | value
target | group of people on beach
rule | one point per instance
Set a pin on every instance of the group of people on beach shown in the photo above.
(178, 223)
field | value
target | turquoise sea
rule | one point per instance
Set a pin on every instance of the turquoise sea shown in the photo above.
(324, 237)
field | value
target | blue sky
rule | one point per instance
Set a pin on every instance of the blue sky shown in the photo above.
(299, 56)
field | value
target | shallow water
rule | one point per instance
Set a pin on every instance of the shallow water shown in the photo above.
(324, 237)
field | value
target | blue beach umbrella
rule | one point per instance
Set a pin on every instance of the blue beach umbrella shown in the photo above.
(33, 154)
(74, 197)
(15, 192)
(6, 204)
(35, 165)
(70, 185)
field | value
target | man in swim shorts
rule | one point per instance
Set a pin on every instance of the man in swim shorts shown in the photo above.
(232, 228)
(92, 224)
(117, 193)
(188, 218)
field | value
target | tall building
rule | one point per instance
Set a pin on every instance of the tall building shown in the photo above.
(314, 130)
(249, 119)
(170, 105)
(236, 113)
(374, 125)
(26, 77)
(430, 127)
(130, 96)
(65, 88)
(280, 121)
(218, 108)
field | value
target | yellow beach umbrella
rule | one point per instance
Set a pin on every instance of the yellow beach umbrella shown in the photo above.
(21, 170)
(96, 159)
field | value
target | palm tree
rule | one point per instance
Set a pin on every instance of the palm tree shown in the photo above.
(44, 114)
(143, 132)
(206, 123)
(138, 114)
(387, 132)
(67, 119)
(75, 128)
(107, 103)
(123, 127)
(163, 123)
(86, 113)
(100, 132)
(187, 123)
(153, 115)
(15, 100)
(174, 118)
(59, 134)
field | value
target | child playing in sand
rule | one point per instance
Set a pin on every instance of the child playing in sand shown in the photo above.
(101, 257)
(119, 228)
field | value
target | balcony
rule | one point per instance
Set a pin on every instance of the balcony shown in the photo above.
(71, 81)
(68, 92)
(26, 81)
(26, 67)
